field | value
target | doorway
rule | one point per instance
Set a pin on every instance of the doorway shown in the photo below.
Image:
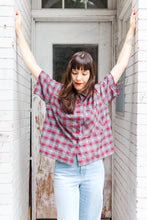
(50, 38)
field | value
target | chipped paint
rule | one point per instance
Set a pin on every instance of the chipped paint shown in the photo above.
(45, 204)
(107, 192)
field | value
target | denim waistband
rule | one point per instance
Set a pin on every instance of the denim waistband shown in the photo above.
(75, 163)
(75, 168)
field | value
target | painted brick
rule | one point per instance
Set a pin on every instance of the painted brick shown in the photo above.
(142, 25)
(139, 108)
(7, 2)
(6, 63)
(4, 210)
(141, 140)
(142, 14)
(5, 147)
(8, 21)
(6, 11)
(5, 179)
(6, 53)
(5, 168)
(142, 4)
(6, 199)
(6, 31)
(8, 217)
(14, 114)
(141, 76)
(141, 45)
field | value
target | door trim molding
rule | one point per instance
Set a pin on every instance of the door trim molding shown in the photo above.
(55, 15)
(72, 15)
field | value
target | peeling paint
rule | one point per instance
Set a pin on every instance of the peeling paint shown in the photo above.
(45, 203)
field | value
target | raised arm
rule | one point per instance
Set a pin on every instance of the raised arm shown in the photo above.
(25, 51)
(125, 53)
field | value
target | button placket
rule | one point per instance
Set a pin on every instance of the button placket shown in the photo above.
(78, 121)
(77, 132)
(78, 102)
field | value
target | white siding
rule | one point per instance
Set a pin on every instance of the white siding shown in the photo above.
(14, 114)
(124, 128)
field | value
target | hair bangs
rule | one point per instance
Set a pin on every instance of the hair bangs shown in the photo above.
(81, 62)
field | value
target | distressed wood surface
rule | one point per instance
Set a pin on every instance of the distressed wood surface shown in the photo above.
(44, 166)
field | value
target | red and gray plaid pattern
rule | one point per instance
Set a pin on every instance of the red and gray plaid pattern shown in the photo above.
(86, 132)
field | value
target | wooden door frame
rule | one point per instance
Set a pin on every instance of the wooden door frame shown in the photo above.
(68, 15)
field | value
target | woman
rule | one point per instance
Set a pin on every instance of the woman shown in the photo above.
(77, 130)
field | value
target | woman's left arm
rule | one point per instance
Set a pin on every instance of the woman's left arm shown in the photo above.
(125, 53)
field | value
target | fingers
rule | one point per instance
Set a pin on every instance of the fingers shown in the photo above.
(17, 12)
(133, 14)
(18, 21)
(133, 20)
(133, 11)
(18, 16)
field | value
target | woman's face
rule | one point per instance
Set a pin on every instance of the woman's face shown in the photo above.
(80, 78)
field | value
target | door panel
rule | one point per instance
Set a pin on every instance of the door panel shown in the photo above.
(49, 34)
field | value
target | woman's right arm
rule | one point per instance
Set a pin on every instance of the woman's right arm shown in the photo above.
(25, 51)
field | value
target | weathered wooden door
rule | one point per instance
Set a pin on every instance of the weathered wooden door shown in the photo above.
(49, 37)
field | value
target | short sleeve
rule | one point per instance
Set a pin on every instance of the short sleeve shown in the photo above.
(45, 86)
(107, 88)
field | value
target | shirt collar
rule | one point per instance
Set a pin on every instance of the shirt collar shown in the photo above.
(83, 95)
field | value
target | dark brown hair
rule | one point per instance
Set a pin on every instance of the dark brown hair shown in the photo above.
(68, 94)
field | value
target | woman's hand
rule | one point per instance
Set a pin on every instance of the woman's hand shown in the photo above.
(133, 20)
(125, 53)
(18, 21)
(27, 56)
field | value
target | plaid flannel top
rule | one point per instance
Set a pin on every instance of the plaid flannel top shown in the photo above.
(85, 133)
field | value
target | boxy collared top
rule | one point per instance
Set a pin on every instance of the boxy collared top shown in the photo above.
(85, 133)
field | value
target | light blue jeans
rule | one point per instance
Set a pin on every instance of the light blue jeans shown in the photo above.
(78, 190)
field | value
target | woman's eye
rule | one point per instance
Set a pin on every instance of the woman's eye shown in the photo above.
(84, 74)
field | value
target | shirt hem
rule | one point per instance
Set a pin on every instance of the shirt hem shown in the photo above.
(70, 162)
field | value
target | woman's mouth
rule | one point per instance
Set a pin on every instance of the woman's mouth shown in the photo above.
(79, 84)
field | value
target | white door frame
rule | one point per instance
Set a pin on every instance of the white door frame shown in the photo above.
(68, 15)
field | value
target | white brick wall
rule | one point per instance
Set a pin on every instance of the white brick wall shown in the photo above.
(14, 114)
(130, 131)
(141, 200)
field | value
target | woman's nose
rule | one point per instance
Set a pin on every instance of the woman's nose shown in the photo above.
(79, 76)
